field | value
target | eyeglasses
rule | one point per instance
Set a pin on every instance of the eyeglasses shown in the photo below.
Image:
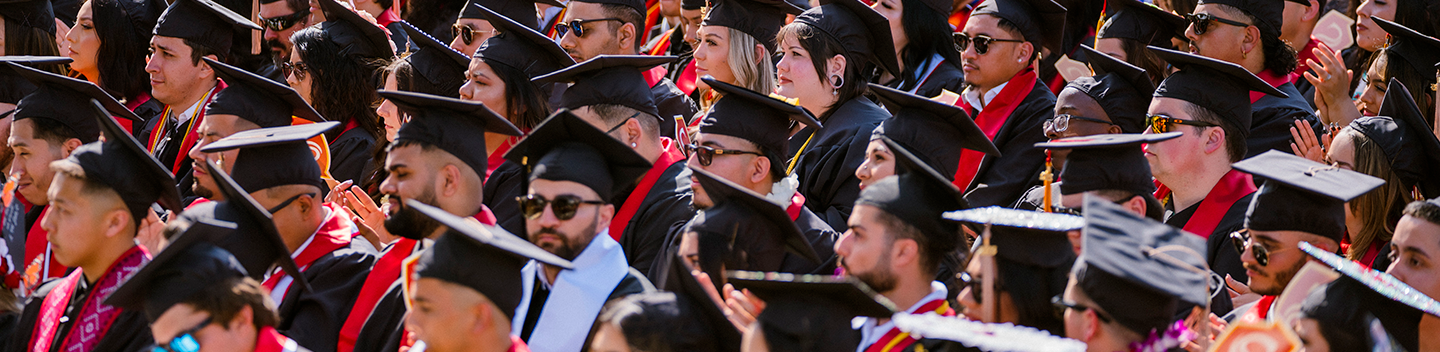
(287, 202)
(1262, 255)
(298, 69)
(1201, 22)
(976, 289)
(1061, 122)
(564, 206)
(280, 23)
(184, 341)
(982, 42)
(579, 26)
(467, 33)
(705, 154)
(1161, 123)
(1061, 305)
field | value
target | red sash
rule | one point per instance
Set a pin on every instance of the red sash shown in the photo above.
(190, 136)
(1273, 80)
(334, 234)
(991, 120)
(95, 317)
(653, 77)
(687, 79)
(272, 341)
(652, 18)
(797, 202)
(1231, 188)
(498, 157)
(1261, 311)
(896, 340)
(348, 126)
(40, 264)
(668, 156)
(663, 44)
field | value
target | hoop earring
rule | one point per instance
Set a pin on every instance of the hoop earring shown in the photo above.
(836, 81)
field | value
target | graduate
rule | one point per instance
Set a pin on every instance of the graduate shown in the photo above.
(473, 27)
(574, 171)
(1364, 309)
(93, 229)
(618, 28)
(1130, 26)
(926, 128)
(743, 230)
(713, 330)
(335, 67)
(1109, 166)
(610, 94)
(1026, 258)
(807, 313)
(432, 68)
(14, 87)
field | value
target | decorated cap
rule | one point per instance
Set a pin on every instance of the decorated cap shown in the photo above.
(521, 11)
(144, 180)
(29, 13)
(811, 312)
(566, 148)
(1121, 89)
(1025, 236)
(1138, 270)
(1039, 21)
(205, 22)
(437, 69)
(257, 99)
(189, 265)
(859, 29)
(1107, 161)
(962, 334)
(1142, 22)
(354, 35)
(1398, 306)
(458, 127)
(756, 117)
(65, 100)
(761, 19)
(520, 47)
(256, 243)
(1420, 51)
(1269, 12)
(745, 222)
(274, 156)
(918, 195)
(1404, 136)
(13, 86)
(1221, 87)
(1302, 195)
(609, 79)
(934, 131)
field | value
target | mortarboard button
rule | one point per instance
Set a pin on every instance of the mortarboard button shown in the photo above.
(1302, 195)
(257, 99)
(566, 148)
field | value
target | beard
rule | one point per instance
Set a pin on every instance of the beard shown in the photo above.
(407, 222)
(879, 277)
(566, 248)
(202, 191)
(1279, 279)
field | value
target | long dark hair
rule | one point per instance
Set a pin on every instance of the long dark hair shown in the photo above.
(822, 47)
(26, 40)
(929, 33)
(1031, 288)
(528, 104)
(343, 87)
(1418, 83)
(121, 62)
(1136, 54)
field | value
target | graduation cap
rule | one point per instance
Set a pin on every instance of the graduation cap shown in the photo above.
(256, 243)
(917, 195)
(274, 156)
(521, 11)
(438, 69)
(189, 265)
(1269, 12)
(934, 131)
(204, 22)
(609, 79)
(744, 221)
(1025, 236)
(482, 257)
(63, 99)
(1138, 270)
(257, 99)
(1361, 290)
(1039, 21)
(13, 87)
(1121, 89)
(566, 148)
(1421, 51)
(1142, 22)
(354, 34)
(1404, 136)
(677, 279)
(1302, 195)
(980, 336)
(638, 5)
(458, 127)
(1221, 87)
(29, 13)
(142, 180)
(755, 117)
(858, 28)
(1107, 161)
(761, 19)
(692, 5)
(521, 47)
(811, 312)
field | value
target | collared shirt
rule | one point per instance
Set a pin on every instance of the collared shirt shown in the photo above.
(184, 115)
(972, 96)
(278, 294)
(871, 330)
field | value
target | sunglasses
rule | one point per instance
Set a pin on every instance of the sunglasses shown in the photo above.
(1061, 305)
(1161, 123)
(982, 42)
(298, 69)
(184, 341)
(976, 289)
(1061, 122)
(579, 26)
(1201, 22)
(1262, 255)
(466, 33)
(287, 202)
(280, 23)
(564, 206)
(705, 155)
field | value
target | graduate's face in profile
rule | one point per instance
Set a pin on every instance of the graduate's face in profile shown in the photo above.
(690, 21)
(796, 76)
(746, 170)
(879, 163)
(867, 249)
(567, 238)
(31, 166)
(1368, 35)
(80, 225)
(84, 43)
(300, 80)
(1221, 41)
(712, 54)
(213, 336)
(446, 316)
(389, 113)
(481, 31)
(482, 84)
(1415, 255)
(211, 129)
(175, 78)
(412, 176)
(1308, 330)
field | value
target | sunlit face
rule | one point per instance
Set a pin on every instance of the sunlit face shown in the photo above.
(444, 314)
(609, 338)
(879, 163)
(301, 79)
(601, 37)
(174, 76)
(482, 84)
(1174, 157)
(893, 10)
(75, 222)
(712, 55)
(213, 336)
(796, 76)
(412, 175)
(1374, 93)
(567, 238)
(1368, 35)
(389, 113)
(31, 167)
(213, 128)
(1414, 252)
(690, 20)
(866, 249)
(1003, 59)
(1219, 40)
(279, 41)
(84, 44)
(1285, 260)
(482, 31)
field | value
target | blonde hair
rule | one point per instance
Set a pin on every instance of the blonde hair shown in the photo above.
(757, 76)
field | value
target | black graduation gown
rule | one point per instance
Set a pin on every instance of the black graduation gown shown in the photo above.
(500, 190)
(827, 163)
(128, 333)
(634, 282)
(665, 206)
(169, 150)
(670, 101)
(821, 238)
(1271, 120)
(385, 328)
(148, 111)
(946, 76)
(400, 38)
(314, 318)
(1006, 179)
(1219, 250)
(350, 156)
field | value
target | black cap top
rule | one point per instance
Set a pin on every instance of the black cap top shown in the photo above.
(144, 180)
(257, 99)
(934, 131)
(1269, 12)
(609, 79)
(677, 279)
(12, 85)
(761, 19)
(354, 34)
(1143, 22)
(638, 5)
(1404, 135)
(1121, 89)
(521, 47)
(1107, 161)
(30, 13)
(256, 243)
(482, 257)
(857, 27)
(517, 10)
(1040, 21)
(65, 100)
(1219, 86)
(1139, 270)
(755, 117)
(918, 195)
(744, 221)
(187, 266)
(1025, 236)
(692, 4)
(458, 127)
(274, 156)
(204, 22)
(566, 148)
(438, 69)
(1421, 51)
(811, 312)
(1302, 195)
(980, 336)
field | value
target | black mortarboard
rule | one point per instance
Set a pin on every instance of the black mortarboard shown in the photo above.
(1121, 89)
(1221, 87)
(1302, 195)
(744, 221)
(142, 13)
(521, 47)
(1421, 51)
(522, 11)
(566, 148)
(29, 13)
(436, 68)
(980, 336)
(1107, 161)
(141, 180)
(354, 34)
(1403, 134)
(65, 100)
(761, 19)
(1139, 21)
(256, 243)
(608, 79)
(1268, 12)
(692, 4)
(811, 312)
(677, 279)
(204, 22)
(186, 267)
(917, 195)
(484, 258)
(257, 99)
(638, 5)
(458, 127)
(857, 27)
(1139, 270)
(1362, 290)
(1025, 236)
(1039, 21)
(934, 131)
(755, 117)
(13, 87)
(274, 156)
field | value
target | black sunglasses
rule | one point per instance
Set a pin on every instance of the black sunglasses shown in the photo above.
(466, 33)
(1242, 239)
(564, 206)
(1061, 305)
(298, 69)
(184, 341)
(579, 26)
(705, 155)
(287, 202)
(280, 23)
(982, 42)
(1201, 22)
(1161, 123)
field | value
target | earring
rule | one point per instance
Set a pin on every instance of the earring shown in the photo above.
(633, 145)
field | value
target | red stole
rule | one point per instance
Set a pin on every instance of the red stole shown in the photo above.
(40, 263)
(1305, 54)
(1273, 80)
(991, 120)
(272, 341)
(687, 79)
(653, 77)
(1370, 253)
(652, 18)
(348, 126)
(95, 317)
(498, 157)
(334, 234)
(797, 202)
(131, 105)
(669, 155)
(1261, 311)
(896, 340)
(517, 345)
(190, 136)
(1234, 186)
(663, 44)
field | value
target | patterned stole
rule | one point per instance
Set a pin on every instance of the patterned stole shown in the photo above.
(896, 340)
(95, 316)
